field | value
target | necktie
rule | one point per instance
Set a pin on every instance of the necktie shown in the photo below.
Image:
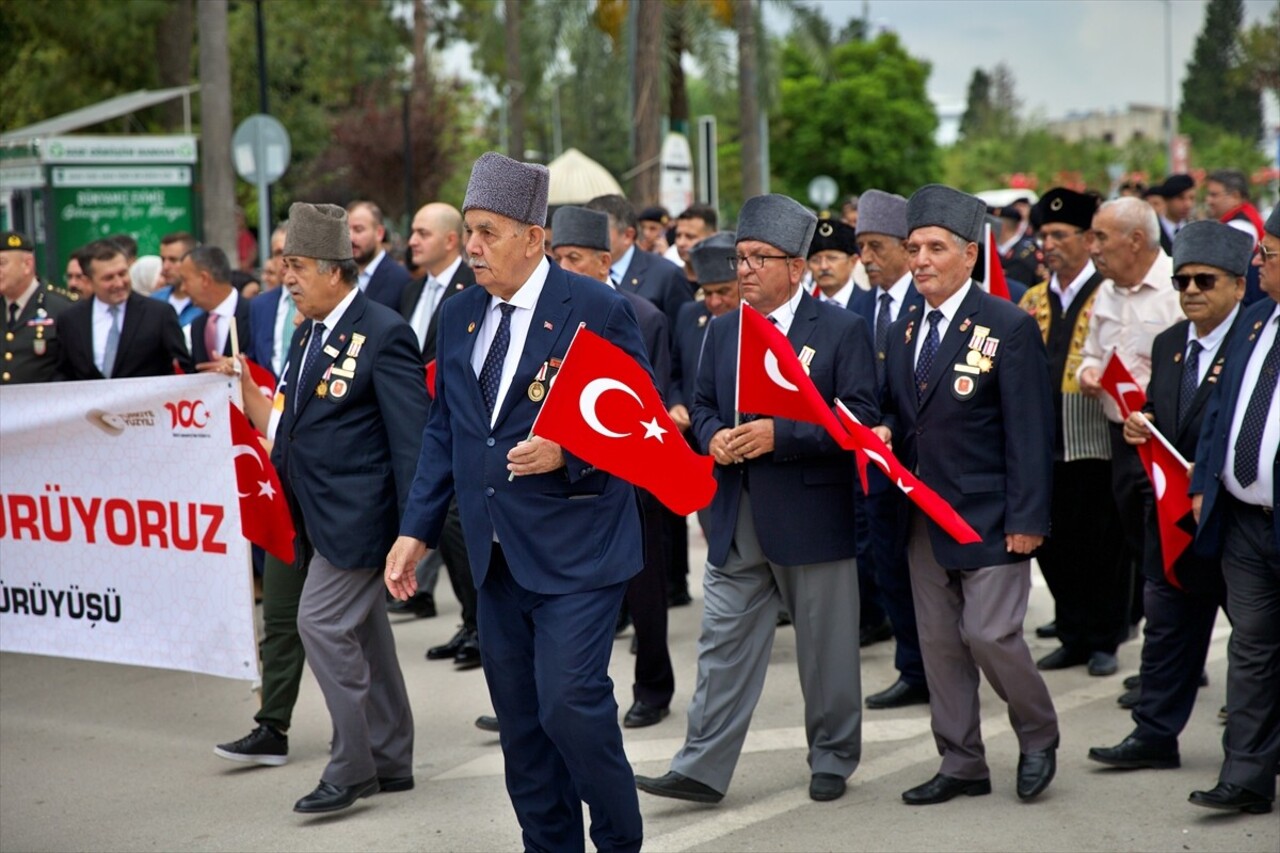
(1190, 381)
(308, 362)
(1249, 442)
(491, 371)
(13, 316)
(113, 342)
(431, 296)
(925, 363)
(882, 332)
(211, 337)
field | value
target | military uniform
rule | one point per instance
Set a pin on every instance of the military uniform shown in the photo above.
(30, 348)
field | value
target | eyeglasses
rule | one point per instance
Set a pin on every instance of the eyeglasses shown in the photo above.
(1204, 281)
(1266, 254)
(755, 262)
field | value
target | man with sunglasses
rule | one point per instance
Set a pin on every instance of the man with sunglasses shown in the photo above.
(1186, 365)
(1235, 489)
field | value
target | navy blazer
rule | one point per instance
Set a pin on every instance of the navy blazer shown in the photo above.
(802, 492)
(386, 285)
(657, 343)
(150, 341)
(346, 459)
(570, 530)
(462, 279)
(658, 280)
(1211, 454)
(198, 353)
(988, 453)
(686, 348)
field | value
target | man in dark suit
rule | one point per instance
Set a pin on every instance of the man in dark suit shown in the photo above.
(1235, 489)
(381, 278)
(778, 527)
(435, 244)
(552, 541)
(118, 333)
(642, 273)
(968, 408)
(205, 274)
(272, 314)
(31, 346)
(345, 448)
(1187, 359)
(881, 236)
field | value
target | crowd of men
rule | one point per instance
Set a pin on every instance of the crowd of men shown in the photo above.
(997, 404)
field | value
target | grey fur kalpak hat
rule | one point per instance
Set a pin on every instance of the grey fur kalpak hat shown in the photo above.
(509, 188)
(1213, 244)
(935, 204)
(880, 212)
(318, 231)
(780, 221)
(712, 257)
(577, 226)
(1272, 226)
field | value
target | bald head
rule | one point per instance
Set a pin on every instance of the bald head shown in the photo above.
(436, 237)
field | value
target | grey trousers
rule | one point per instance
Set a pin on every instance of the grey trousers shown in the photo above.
(739, 619)
(971, 620)
(342, 619)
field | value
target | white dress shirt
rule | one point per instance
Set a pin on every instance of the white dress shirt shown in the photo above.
(335, 316)
(897, 298)
(841, 297)
(1261, 491)
(948, 309)
(786, 312)
(222, 317)
(362, 280)
(102, 327)
(1210, 343)
(1067, 296)
(433, 290)
(525, 300)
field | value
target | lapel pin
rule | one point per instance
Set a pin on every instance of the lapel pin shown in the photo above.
(964, 327)
(471, 328)
(546, 324)
(1177, 357)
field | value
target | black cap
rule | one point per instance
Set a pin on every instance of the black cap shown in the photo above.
(1176, 185)
(15, 241)
(654, 214)
(834, 235)
(1063, 205)
(1007, 212)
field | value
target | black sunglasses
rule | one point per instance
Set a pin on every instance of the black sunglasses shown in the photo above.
(1204, 281)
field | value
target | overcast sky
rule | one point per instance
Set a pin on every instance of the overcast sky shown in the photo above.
(1066, 55)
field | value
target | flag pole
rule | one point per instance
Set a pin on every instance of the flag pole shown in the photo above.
(986, 256)
(1151, 428)
(737, 364)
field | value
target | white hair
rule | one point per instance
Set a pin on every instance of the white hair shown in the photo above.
(1133, 214)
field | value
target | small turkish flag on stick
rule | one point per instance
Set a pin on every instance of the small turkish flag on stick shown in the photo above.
(264, 514)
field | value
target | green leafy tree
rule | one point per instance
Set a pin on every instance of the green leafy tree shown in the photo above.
(871, 125)
(1216, 94)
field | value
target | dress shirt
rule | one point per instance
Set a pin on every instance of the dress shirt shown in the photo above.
(1170, 228)
(362, 280)
(1261, 491)
(335, 316)
(897, 297)
(222, 316)
(282, 334)
(432, 291)
(179, 304)
(1126, 321)
(22, 300)
(948, 309)
(525, 300)
(841, 297)
(1210, 343)
(619, 267)
(102, 327)
(786, 312)
(1067, 296)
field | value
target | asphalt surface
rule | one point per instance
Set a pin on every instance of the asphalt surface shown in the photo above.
(108, 757)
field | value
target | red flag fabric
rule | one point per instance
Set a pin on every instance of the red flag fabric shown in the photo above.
(1118, 382)
(867, 445)
(264, 515)
(604, 408)
(431, 378)
(262, 378)
(772, 381)
(1171, 484)
(996, 284)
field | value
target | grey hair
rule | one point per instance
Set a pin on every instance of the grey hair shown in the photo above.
(349, 270)
(1232, 180)
(1134, 214)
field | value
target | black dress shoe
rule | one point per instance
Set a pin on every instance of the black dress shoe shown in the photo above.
(824, 787)
(1103, 664)
(468, 656)
(394, 784)
(449, 650)
(784, 619)
(1134, 754)
(1231, 798)
(1132, 682)
(422, 605)
(941, 788)
(1035, 771)
(898, 695)
(678, 787)
(1204, 679)
(640, 715)
(679, 598)
(1130, 698)
(328, 797)
(1048, 630)
(870, 635)
(1062, 657)
(486, 723)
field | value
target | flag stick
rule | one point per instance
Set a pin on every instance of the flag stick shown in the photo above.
(1151, 428)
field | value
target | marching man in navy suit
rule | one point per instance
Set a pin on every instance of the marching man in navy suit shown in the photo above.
(552, 541)
(1235, 489)
(778, 531)
(968, 409)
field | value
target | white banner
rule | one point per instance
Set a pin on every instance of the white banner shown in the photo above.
(120, 531)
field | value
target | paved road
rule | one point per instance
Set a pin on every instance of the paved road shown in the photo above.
(105, 757)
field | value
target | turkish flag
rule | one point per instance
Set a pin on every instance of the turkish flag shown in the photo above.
(771, 379)
(604, 408)
(264, 515)
(1118, 382)
(431, 378)
(996, 284)
(262, 378)
(866, 445)
(1171, 484)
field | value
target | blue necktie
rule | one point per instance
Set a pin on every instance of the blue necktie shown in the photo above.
(1249, 442)
(1190, 381)
(308, 362)
(491, 371)
(930, 349)
(882, 333)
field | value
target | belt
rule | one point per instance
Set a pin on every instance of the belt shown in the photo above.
(1248, 508)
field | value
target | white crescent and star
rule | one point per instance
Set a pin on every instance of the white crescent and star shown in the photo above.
(590, 399)
(1158, 480)
(771, 368)
(245, 450)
